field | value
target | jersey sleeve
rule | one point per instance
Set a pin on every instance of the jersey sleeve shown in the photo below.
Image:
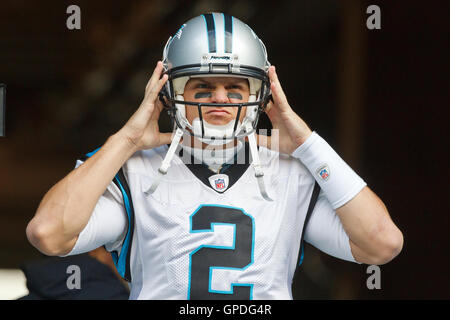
(107, 225)
(325, 231)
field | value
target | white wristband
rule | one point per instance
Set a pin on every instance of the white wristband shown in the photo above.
(337, 180)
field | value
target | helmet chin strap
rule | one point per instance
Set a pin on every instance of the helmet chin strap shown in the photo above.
(162, 171)
(259, 174)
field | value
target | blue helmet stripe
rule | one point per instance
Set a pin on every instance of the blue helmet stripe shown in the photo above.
(211, 29)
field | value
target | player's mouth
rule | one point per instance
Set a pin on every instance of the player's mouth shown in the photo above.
(217, 112)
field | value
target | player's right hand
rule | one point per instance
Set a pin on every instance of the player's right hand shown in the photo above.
(142, 129)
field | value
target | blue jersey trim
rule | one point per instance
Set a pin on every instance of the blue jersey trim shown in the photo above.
(120, 260)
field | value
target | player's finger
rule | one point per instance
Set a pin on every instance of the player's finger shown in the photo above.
(270, 111)
(156, 75)
(269, 106)
(152, 95)
(277, 91)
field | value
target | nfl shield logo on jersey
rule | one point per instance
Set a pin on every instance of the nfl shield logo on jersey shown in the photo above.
(219, 182)
(324, 172)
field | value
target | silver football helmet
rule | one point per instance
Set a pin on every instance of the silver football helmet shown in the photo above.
(215, 45)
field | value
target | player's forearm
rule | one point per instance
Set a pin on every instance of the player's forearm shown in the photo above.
(66, 208)
(374, 238)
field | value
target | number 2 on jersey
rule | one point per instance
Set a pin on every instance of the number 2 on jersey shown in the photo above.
(206, 258)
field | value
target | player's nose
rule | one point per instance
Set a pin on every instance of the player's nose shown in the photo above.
(220, 96)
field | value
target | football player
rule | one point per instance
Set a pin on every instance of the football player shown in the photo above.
(204, 212)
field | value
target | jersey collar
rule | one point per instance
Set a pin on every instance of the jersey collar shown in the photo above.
(234, 170)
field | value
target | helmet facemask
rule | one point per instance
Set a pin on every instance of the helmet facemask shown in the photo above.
(242, 125)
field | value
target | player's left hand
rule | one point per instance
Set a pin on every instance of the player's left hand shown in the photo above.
(292, 130)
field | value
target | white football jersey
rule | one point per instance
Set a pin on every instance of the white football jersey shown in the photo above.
(203, 235)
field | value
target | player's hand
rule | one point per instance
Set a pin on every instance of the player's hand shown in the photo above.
(142, 129)
(292, 130)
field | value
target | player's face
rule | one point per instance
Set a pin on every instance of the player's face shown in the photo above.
(216, 90)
